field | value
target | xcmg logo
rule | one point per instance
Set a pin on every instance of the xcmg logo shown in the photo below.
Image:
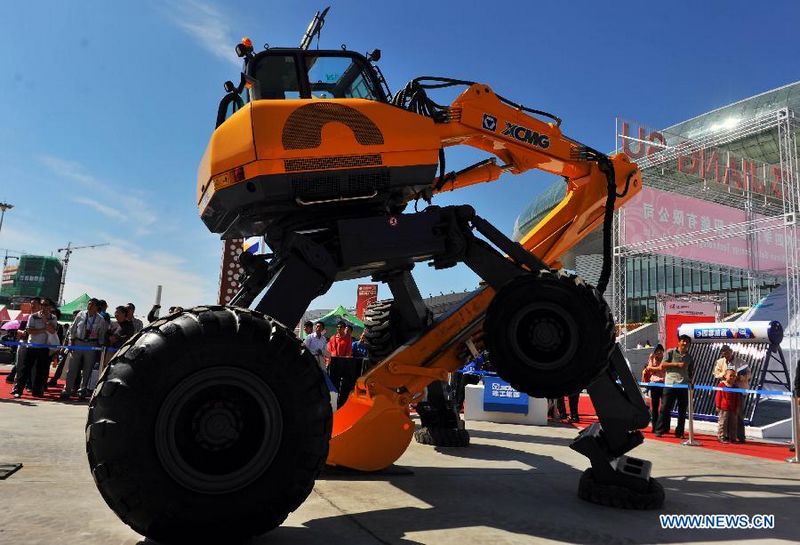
(489, 122)
(524, 134)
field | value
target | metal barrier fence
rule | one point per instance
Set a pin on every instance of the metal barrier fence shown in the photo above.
(757, 356)
(58, 346)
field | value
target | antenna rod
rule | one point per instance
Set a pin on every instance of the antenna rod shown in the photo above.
(314, 28)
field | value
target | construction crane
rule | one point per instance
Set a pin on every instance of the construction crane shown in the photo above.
(6, 257)
(68, 252)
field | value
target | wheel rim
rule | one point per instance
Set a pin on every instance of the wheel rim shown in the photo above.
(218, 430)
(543, 336)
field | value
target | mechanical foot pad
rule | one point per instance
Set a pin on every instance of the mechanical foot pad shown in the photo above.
(442, 437)
(625, 484)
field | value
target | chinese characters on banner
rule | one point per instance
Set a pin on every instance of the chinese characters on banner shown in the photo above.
(653, 214)
(499, 396)
(723, 333)
(714, 165)
(366, 294)
(677, 313)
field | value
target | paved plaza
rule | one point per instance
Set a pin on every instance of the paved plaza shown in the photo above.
(515, 484)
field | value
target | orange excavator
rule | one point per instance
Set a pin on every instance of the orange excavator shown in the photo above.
(213, 423)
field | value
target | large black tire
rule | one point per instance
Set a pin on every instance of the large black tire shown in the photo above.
(379, 334)
(619, 496)
(208, 426)
(549, 334)
(442, 437)
(384, 329)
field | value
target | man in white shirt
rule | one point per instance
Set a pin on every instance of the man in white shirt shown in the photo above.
(317, 344)
(36, 364)
(87, 332)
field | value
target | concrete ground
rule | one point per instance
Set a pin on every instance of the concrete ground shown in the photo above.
(515, 484)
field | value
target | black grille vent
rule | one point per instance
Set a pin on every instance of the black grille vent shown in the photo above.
(303, 129)
(340, 185)
(327, 163)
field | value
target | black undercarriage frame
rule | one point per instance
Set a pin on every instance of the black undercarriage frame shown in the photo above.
(306, 263)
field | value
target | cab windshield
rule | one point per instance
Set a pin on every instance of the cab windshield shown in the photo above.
(280, 74)
(338, 77)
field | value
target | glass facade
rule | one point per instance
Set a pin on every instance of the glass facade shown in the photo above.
(538, 209)
(648, 275)
(761, 147)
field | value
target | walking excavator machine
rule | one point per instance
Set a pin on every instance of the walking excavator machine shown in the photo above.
(213, 423)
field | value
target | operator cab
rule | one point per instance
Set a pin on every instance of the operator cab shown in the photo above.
(291, 73)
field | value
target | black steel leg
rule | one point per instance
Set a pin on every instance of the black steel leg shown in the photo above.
(307, 272)
(440, 421)
(614, 478)
(407, 299)
(440, 410)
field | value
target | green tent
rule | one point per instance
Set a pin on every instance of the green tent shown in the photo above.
(67, 309)
(341, 314)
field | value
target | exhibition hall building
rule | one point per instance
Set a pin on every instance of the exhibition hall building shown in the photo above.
(719, 169)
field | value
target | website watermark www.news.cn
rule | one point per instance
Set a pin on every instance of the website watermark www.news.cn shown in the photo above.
(717, 522)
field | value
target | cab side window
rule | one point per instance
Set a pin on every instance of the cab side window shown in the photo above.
(277, 77)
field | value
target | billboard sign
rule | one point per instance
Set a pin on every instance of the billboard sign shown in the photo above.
(365, 295)
(500, 396)
(653, 214)
(691, 308)
(713, 165)
(676, 312)
(762, 331)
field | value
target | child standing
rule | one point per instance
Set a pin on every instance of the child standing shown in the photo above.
(728, 407)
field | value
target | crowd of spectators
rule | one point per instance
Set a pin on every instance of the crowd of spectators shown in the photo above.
(43, 340)
(668, 375)
(92, 334)
(342, 357)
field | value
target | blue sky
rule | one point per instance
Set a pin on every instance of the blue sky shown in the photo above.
(106, 107)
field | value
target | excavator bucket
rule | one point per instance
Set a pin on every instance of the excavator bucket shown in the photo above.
(373, 429)
(369, 432)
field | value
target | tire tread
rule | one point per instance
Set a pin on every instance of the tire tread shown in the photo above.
(154, 350)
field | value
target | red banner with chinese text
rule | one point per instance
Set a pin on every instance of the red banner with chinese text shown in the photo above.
(366, 294)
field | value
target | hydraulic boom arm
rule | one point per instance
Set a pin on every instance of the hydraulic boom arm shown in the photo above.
(479, 118)
(596, 185)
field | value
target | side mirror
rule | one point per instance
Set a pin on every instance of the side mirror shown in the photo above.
(375, 56)
(244, 48)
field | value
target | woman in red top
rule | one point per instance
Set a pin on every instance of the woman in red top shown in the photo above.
(728, 407)
(654, 373)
